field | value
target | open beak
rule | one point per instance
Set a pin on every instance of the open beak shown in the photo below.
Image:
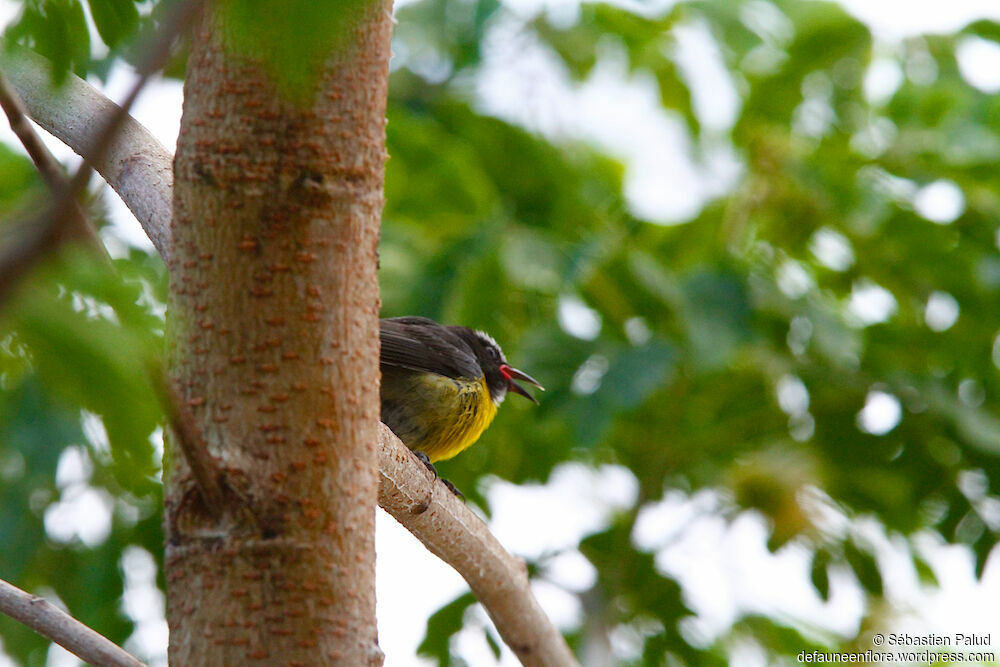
(513, 374)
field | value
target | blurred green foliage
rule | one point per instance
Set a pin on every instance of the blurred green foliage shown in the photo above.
(57, 29)
(76, 341)
(292, 39)
(704, 327)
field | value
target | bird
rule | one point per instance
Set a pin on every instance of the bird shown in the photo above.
(442, 384)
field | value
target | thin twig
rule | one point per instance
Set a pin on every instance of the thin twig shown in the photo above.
(53, 623)
(134, 163)
(33, 241)
(45, 162)
(204, 468)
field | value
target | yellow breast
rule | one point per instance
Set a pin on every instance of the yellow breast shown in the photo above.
(461, 426)
(436, 415)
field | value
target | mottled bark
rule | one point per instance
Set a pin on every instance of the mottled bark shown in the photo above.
(273, 344)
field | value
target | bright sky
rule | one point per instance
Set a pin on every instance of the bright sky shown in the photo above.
(724, 570)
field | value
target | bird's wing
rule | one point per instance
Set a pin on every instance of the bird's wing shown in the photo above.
(420, 344)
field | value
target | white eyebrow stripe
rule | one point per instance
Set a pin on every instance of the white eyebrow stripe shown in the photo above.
(489, 339)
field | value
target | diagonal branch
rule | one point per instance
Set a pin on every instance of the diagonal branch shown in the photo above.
(204, 469)
(45, 162)
(53, 623)
(139, 169)
(133, 162)
(179, 20)
(454, 534)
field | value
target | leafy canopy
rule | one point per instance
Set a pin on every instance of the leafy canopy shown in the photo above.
(741, 351)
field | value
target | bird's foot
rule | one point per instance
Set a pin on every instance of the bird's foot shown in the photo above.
(453, 489)
(423, 458)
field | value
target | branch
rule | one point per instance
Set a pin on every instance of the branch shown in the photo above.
(45, 162)
(177, 23)
(66, 219)
(53, 623)
(133, 162)
(141, 174)
(204, 469)
(454, 534)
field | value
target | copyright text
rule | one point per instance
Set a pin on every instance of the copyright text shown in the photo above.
(871, 656)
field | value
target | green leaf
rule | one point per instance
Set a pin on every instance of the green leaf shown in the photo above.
(97, 357)
(454, 30)
(924, 571)
(778, 636)
(819, 574)
(636, 372)
(865, 568)
(33, 433)
(982, 549)
(480, 274)
(633, 587)
(291, 39)
(434, 178)
(493, 644)
(115, 19)
(57, 29)
(442, 624)
(19, 185)
(717, 315)
(985, 29)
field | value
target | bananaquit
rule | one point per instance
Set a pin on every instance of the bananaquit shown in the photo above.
(442, 385)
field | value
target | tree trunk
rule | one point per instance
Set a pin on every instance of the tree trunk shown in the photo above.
(273, 346)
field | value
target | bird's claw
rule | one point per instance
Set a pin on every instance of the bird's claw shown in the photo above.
(423, 458)
(453, 489)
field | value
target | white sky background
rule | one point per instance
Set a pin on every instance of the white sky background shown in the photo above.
(724, 570)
